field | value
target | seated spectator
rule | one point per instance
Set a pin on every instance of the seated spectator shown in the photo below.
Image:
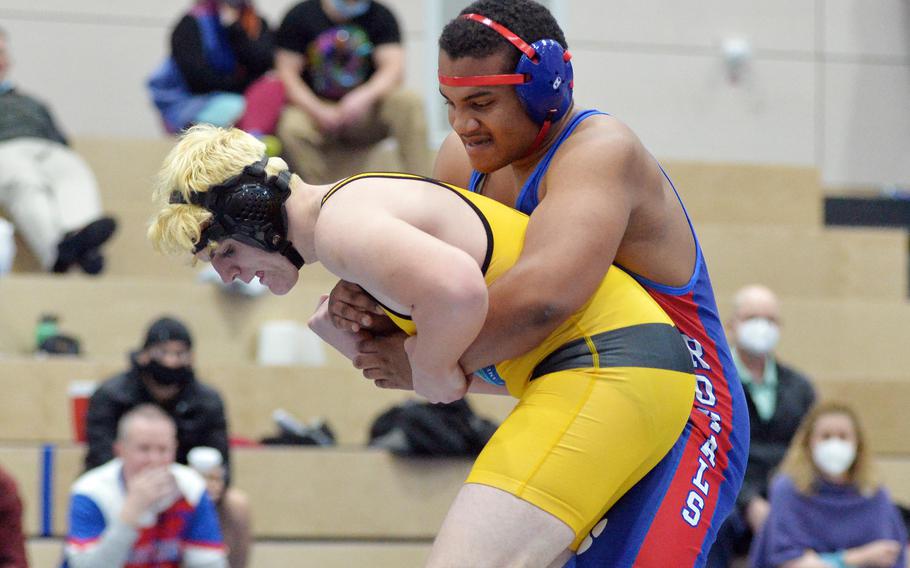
(12, 540)
(777, 396)
(233, 505)
(45, 187)
(161, 373)
(221, 52)
(141, 509)
(826, 508)
(342, 65)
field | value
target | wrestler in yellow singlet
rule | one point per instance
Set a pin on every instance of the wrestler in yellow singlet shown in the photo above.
(601, 400)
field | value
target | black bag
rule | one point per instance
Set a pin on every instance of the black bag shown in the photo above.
(293, 433)
(59, 344)
(416, 428)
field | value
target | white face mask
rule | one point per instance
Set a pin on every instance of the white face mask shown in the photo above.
(834, 456)
(758, 336)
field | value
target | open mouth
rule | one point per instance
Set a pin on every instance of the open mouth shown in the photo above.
(477, 144)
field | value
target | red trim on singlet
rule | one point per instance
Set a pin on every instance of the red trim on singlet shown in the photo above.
(683, 310)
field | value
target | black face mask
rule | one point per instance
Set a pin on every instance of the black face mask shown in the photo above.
(163, 375)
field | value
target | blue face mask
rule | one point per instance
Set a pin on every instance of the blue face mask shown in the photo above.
(350, 11)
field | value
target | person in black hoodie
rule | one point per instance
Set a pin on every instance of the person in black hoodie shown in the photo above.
(161, 373)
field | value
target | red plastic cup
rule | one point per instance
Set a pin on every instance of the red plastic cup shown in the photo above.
(80, 392)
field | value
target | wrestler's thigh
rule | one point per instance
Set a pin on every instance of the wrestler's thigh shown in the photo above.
(577, 439)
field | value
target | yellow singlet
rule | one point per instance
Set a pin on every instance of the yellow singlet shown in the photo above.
(601, 399)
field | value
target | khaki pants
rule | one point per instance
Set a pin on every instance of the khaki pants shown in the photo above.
(322, 158)
(48, 190)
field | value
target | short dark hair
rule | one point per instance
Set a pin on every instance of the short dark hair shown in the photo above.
(528, 19)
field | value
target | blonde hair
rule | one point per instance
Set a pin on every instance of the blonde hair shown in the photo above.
(204, 156)
(800, 467)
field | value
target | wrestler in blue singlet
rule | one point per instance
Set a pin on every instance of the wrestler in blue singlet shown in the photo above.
(694, 487)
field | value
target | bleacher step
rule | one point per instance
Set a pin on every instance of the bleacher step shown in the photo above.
(736, 194)
(36, 407)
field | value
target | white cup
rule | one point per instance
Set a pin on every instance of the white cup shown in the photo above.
(287, 342)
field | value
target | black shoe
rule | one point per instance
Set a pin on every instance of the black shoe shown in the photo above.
(76, 244)
(92, 262)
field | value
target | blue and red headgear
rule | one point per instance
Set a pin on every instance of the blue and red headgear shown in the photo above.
(543, 78)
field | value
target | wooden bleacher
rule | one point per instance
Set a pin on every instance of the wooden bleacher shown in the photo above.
(826, 262)
(304, 493)
(110, 313)
(843, 339)
(756, 223)
(36, 407)
(748, 194)
(715, 193)
(855, 338)
(802, 262)
(391, 553)
(316, 493)
(845, 309)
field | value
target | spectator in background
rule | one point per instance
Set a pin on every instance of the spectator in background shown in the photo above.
(221, 53)
(778, 397)
(141, 509)
(12, 540)
(233, 505)
(161, 373)
(342, 65)
(826, 508)
(47, 189)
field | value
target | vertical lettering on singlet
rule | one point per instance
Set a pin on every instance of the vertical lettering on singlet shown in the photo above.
(706, 400)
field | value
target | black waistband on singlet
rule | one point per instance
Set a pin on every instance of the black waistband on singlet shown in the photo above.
(649, 345)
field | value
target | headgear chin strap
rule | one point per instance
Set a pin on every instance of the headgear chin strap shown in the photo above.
(543, 78)
(248, 208)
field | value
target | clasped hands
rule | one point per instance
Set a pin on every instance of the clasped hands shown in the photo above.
(385, 353)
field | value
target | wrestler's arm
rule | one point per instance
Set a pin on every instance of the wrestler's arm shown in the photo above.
(453, 166)
(349, 307)
(571, 241)
(441, 285)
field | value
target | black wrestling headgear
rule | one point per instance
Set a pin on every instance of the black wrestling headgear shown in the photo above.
(249, 208)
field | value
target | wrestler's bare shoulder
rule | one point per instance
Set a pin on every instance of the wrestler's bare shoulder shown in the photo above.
(601, 147)
(603, 132)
